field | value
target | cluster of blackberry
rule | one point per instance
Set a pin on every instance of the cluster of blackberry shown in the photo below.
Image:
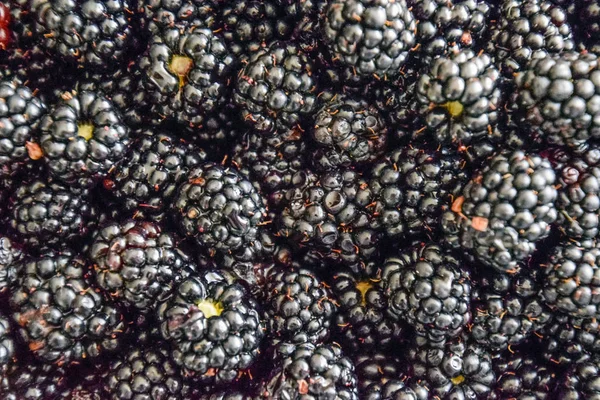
(299, 199)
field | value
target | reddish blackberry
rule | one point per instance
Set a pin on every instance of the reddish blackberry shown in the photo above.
(20, 115)
(311, 371)
(45, 215)
(522, 377)
(528, 30)
(332, 218)
(30, 380)
(428, 288)
(556, 99)
(185, 75)
(298, 306)
(362, 321)
(59, 313)
(276, 88)
(413, 186)
(147, 181)
(219, 208)
(213, 326)
(506, 208)
(373, 37)
(580, 381)
(83, 137)
(347, 132)
(136, 263)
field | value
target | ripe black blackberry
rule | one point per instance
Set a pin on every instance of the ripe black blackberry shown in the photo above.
(276, 89)
(458, 99)
(20, 115)
(528, 30)
(507, 309)
(376, 368)
(332, 218)
(159, 15)
(83, 138)
(226, 395)
(45, 215)
(374, 37)
(185, 75)
(311, 371)
(556, 97)
(10, 256)
(60, 315)
(522, 377)
(137, 263)
(580, 381)
(147, 181)
(7, 344)
(506, 208)
(348, 131)
(362, 321)
(413, 186)
(91, 34)
(430, 289)
(219, 208)
(30, 380)
(444, 25)
(298, 306)
(392, 389)
(213, 327)
(571, 279)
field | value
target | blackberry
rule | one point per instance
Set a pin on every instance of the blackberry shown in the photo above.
(374, 37)
(506, 208)
(32, 381)
(185, 75)
(571, 280)
(10, 257)
(7, 344)
(362, 321)
(213, 326)
(59, 313)
(311, 371)
(219, 208)
(20, 115)
(580, 381)
(159, 15)
(92, 34)
(136, 263)
(556, 99)
(428, 287)
(528, 30)
(375, 368)
(276, 88)
(413, 186)
(348, 132)
(589, 15)
(458, 99)
(443, 25)
(226, 395)
(45, 215)
(522, 377)
(147, 181)
(298, 306)
(83, 137)
(332, 218)
(392, 389)
(276, 163)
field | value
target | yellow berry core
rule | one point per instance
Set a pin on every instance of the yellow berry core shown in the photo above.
(85, 130)
(181, 66)
(210, 308)
(455, 108)
(363, 287)
(458, 380)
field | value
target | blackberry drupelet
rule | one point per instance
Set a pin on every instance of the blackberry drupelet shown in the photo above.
(362, 321)
(11, 255)
(556, 99)
(213, 326)
(298, 306)
(347, 132)
(459, 99)
(392, 389)
(186, 74)
(20, 115)
(219, 208)
(373, 37)
(580, 381)
(522, 377)
(59, 313)
(46, 215)
(83, 138)
(528, 30)
(332, 218)
(147, 181)
(137, 263)
(95, 34)
(506, 208)
(571, 279)
(7, 344)
(276, 89)
(426, 286)
(30, 380)
(413, 186)
(226, 395)
(312, 372)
